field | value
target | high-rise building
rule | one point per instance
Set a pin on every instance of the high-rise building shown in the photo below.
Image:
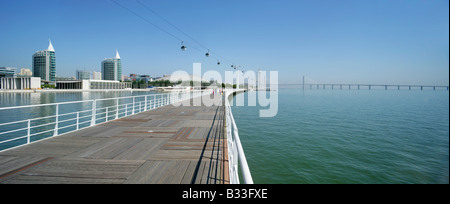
(83, 75)
(112, 68)
(44, 63)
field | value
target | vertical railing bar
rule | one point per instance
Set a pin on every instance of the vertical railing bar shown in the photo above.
(117, 108)
(145, 105)
(29, 131)
(55, 133)
(107, 110)
(132, 111)
(78, 120)
(94, 112)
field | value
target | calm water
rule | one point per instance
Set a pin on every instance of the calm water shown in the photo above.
(349, 136)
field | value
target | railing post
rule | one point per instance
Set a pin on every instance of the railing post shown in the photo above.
(150, 105)
(126, 110)
(55, 132)
(78, 120)
(145, 104)
(132, 111)
(94, 112)
(28, 131)
(117, 109)
(107, 111)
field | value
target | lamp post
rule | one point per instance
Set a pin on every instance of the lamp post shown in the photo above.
(236, 67)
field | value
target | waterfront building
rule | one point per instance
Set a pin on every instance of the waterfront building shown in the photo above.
(112, 68)
(83, 75)
(96, 75)
(92, 84)
(126, 78)
(63, 78)
(72, 84)
(133, 77)
(25, 72)
(7, 72)
(44, 64)
(103, 84)
(20, 83)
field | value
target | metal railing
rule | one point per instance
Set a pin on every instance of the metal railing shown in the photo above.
(236, 154)
(60, 118)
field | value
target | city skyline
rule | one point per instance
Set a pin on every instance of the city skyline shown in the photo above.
(380, 42)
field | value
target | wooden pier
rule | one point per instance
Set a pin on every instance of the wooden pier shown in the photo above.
(170, 145)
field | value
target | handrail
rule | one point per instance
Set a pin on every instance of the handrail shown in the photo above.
(235, 149)
(27, 128)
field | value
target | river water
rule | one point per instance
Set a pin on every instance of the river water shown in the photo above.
(349, 136)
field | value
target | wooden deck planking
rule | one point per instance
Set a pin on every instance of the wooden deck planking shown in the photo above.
(78, 171)
(167, 145)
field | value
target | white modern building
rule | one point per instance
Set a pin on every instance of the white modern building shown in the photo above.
(92, 84)
(20, 83)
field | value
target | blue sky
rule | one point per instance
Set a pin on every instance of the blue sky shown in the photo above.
(334, 41)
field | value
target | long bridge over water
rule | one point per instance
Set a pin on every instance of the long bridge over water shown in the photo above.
(366, 86)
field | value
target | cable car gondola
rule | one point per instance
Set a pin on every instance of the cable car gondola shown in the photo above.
(183, 48)
(207, 54)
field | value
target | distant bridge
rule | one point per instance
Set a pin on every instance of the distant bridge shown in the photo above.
(366, 86)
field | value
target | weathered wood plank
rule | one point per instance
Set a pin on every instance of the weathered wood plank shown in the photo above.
(142, 150)
(143, 173)
(72, 171)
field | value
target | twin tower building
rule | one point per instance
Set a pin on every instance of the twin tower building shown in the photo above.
(44, 66)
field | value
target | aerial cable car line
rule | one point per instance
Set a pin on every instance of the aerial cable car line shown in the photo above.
(184, 33)
(156, 26)
(183, 46)
(149, 22)
(171, 24)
